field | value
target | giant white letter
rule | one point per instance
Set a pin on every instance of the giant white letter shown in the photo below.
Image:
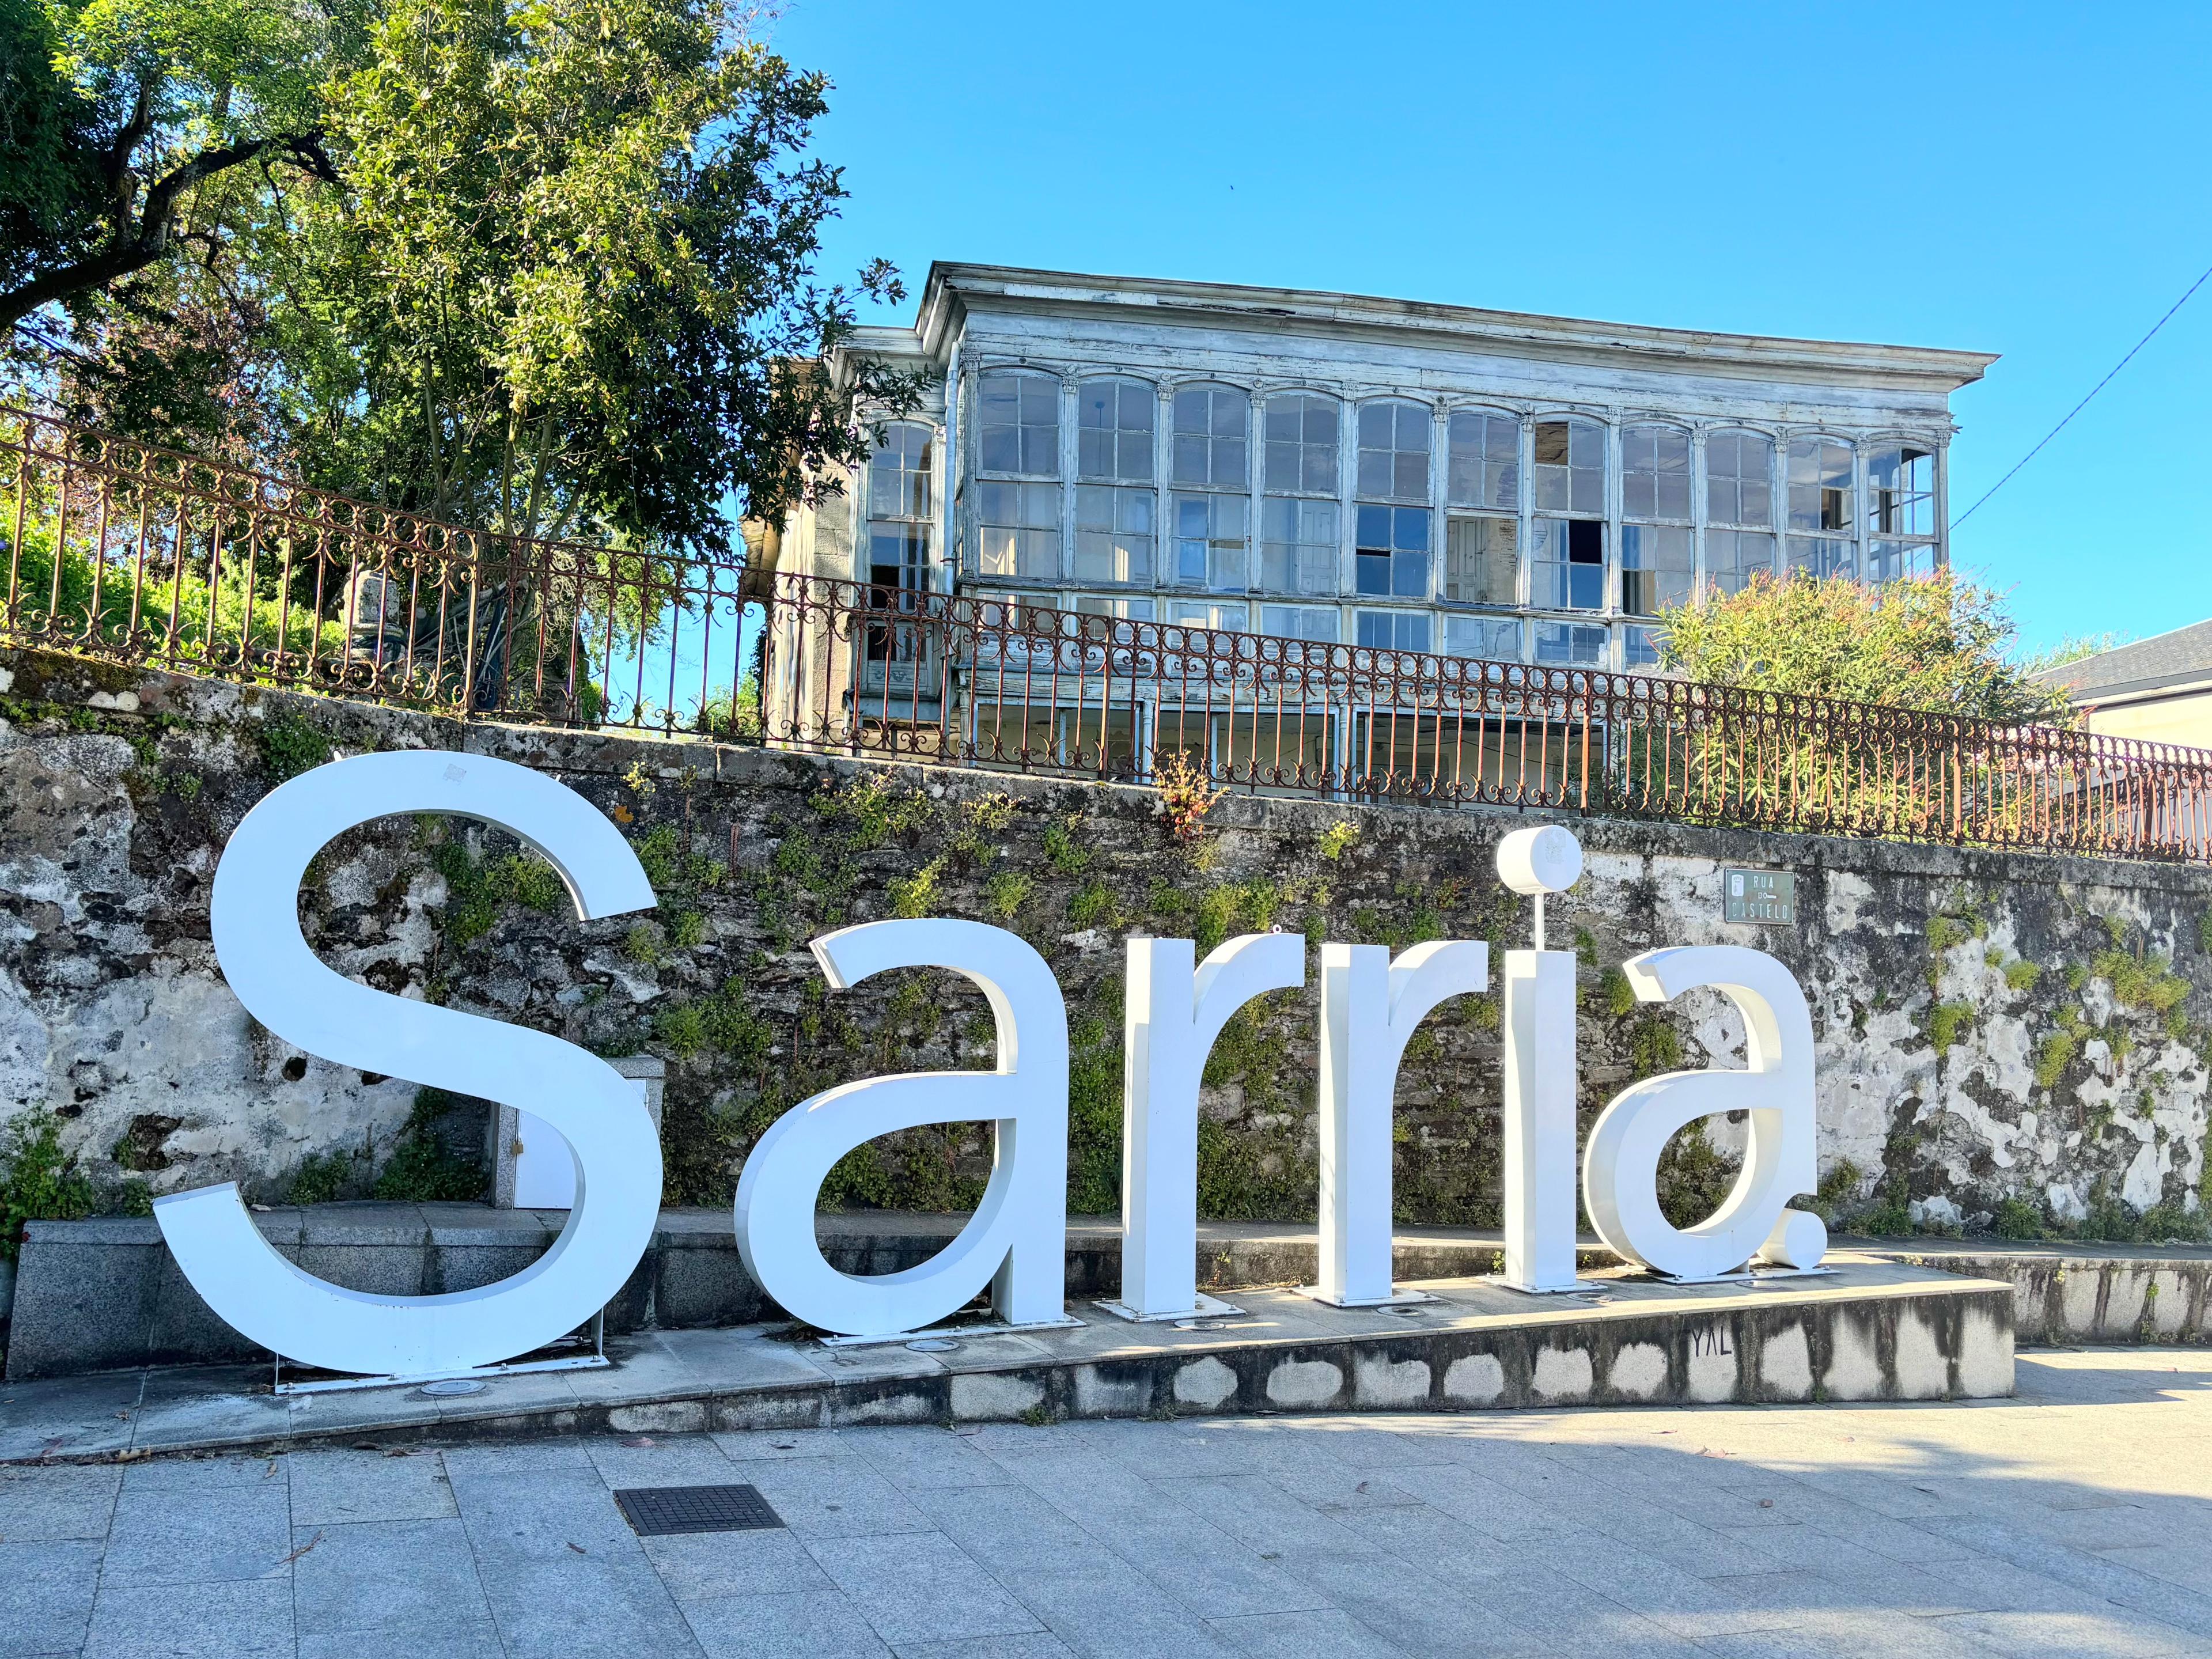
(1369, 1007)
(1171, 1018)
(253, 914)
(1016, 1239)
(1620, 1169)
(1539, 1029)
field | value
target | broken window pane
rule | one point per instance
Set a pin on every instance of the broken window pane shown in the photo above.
(1482, 562)
(1298, 544)
(1018, 530)
(1567, 572)
(1113, 534)
(1483, 459)
(898, 555)
(1393, 551)
(1314, 622)
(1740, 479)
(1114, 430)
(1820, 485)
(1302, 444)
(1495, 638)
(1570, 644)
(1570, 467)
(1394, 452)
(1019, 418)
(1210, 423)
(1209, 540)
(1393, 631)
(1655, 472)
(1658, 568)
(1733, 556)
(1821, 556)
(1901, 492)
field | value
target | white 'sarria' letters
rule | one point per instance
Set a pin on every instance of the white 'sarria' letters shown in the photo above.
(1369, 1007)
(254, 916)
(1016, 1239)
(1170, 1017)
(1620, 1171)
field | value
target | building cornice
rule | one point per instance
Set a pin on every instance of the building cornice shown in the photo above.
(953, 289)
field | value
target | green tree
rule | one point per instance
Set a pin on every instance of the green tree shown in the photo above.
(1933, 643)
(113, 112)
(569, 285)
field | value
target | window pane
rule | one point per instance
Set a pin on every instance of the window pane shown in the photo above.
(1113, 534)
(1302, 444)
(1187, 613)
(1298, 546)
(1567, 569)
(1570, 467)
(1740, 479)
(1819, 557)
(1639, 648)
(1114, 430)
(1393, 630)
(1299, 621)
(1901, 492)
(1733, 556)
(1210, 425)
(1210, 541)
(1655, 480)
(899, 474)
(1019, 423)
(1495, 638)
(1570, 644)
(1889, 562)
(1820, 485)
(1482, 562)
(1018, 530)
(1658, 568)
(1482, 460)
(1394, 452)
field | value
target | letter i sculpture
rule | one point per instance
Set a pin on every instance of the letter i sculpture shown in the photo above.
(1539, 1025)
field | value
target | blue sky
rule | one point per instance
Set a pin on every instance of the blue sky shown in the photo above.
(2027, 179)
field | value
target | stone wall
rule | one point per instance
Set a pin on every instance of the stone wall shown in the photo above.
(2007, 1039)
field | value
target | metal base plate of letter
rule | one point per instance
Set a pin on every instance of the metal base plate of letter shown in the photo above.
(657, 1512)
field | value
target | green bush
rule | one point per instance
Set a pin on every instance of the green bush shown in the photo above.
(38, 1179)
(2015, 1218)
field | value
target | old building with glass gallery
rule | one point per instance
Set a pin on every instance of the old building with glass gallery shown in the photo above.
(1373, 472)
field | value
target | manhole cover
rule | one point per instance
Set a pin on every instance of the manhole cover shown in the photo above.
(932, 1345)
(654, 1511)
(453, 1385)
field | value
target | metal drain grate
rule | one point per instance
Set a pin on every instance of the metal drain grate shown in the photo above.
(654, 1511)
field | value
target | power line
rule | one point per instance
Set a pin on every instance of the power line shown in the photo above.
(2084, 403)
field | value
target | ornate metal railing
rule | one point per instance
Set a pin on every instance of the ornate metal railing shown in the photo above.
(136, 554)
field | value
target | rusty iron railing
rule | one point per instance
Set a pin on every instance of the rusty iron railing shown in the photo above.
(119, 551)
(140, 556)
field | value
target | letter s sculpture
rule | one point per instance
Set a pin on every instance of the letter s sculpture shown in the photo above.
(254, 913)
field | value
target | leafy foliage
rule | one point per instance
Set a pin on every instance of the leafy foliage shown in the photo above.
(38, 1179)
(544, 265)
(1934, 643)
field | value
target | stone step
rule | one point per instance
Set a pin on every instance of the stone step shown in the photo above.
(104, 1295)
(1872, 1330)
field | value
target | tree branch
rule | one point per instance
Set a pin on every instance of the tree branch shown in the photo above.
(134, 246)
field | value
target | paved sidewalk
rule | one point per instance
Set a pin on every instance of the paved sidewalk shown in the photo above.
(2074, 1520)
